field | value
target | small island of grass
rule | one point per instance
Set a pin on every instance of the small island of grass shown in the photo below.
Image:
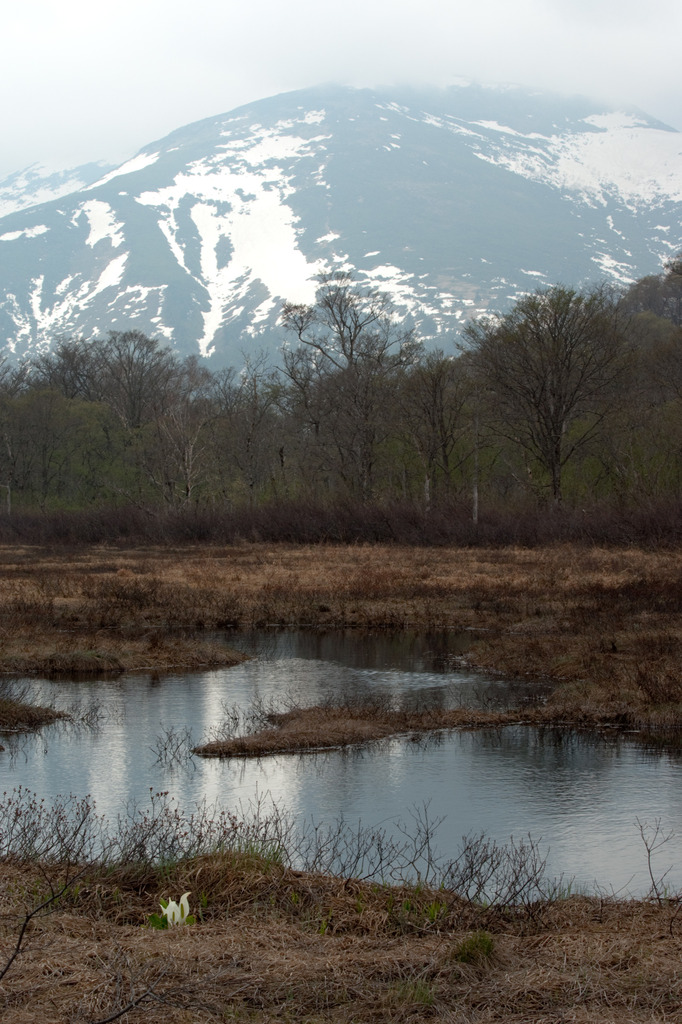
(86, 652)
(18, 716)
(324, 727)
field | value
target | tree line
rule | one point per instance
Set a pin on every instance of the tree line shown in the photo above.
(571, 399)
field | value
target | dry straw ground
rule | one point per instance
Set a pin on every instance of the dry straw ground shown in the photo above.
(277, 945)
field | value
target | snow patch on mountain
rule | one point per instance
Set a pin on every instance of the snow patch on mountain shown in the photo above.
(615, 119)
(247, 232)
(136, 301)
(262, 238)
(495, 126)
(47, 316)
(37, 184)
(47, 313)
(110, 277)
(103, 223)
(138, 163)
(314, 117)
(613, 268)
(620, 158)
(399, 285)
(269, 146)
(12, 236)
(412, 297)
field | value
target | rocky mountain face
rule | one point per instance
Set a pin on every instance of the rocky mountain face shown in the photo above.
(454, 202)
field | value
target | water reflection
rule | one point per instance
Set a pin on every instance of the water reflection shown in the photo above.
(404, 651)
(580, 794)
(422, 669)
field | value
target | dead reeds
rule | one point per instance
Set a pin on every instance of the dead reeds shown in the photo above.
(20, 716)
(301, 730)
(603, 625)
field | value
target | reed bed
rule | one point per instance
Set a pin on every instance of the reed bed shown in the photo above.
(603, 625)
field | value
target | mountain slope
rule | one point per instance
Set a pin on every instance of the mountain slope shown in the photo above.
(454, 202)
(35, 185)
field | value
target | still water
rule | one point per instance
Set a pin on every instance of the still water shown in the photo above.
(580, 796)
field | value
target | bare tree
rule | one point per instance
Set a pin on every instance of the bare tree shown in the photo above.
(175, 457)
(660, 294)
(245, 434)
(72, 368)
(137, 375)
(351, 347)
(552, 367)
(432, 401)
(13, 381)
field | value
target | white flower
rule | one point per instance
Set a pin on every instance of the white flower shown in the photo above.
(177, 913)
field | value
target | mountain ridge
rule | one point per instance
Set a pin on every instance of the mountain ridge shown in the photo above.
(455, 202)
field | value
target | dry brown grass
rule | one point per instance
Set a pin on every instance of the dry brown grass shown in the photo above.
(278, 945)
(51, 654)
(88, 615)
(16, 716)
(324, 727)
(605, 625)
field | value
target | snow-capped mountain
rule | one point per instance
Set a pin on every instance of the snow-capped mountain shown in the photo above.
(454, 202)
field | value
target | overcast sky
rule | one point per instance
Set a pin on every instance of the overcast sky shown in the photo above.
(83, 81)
